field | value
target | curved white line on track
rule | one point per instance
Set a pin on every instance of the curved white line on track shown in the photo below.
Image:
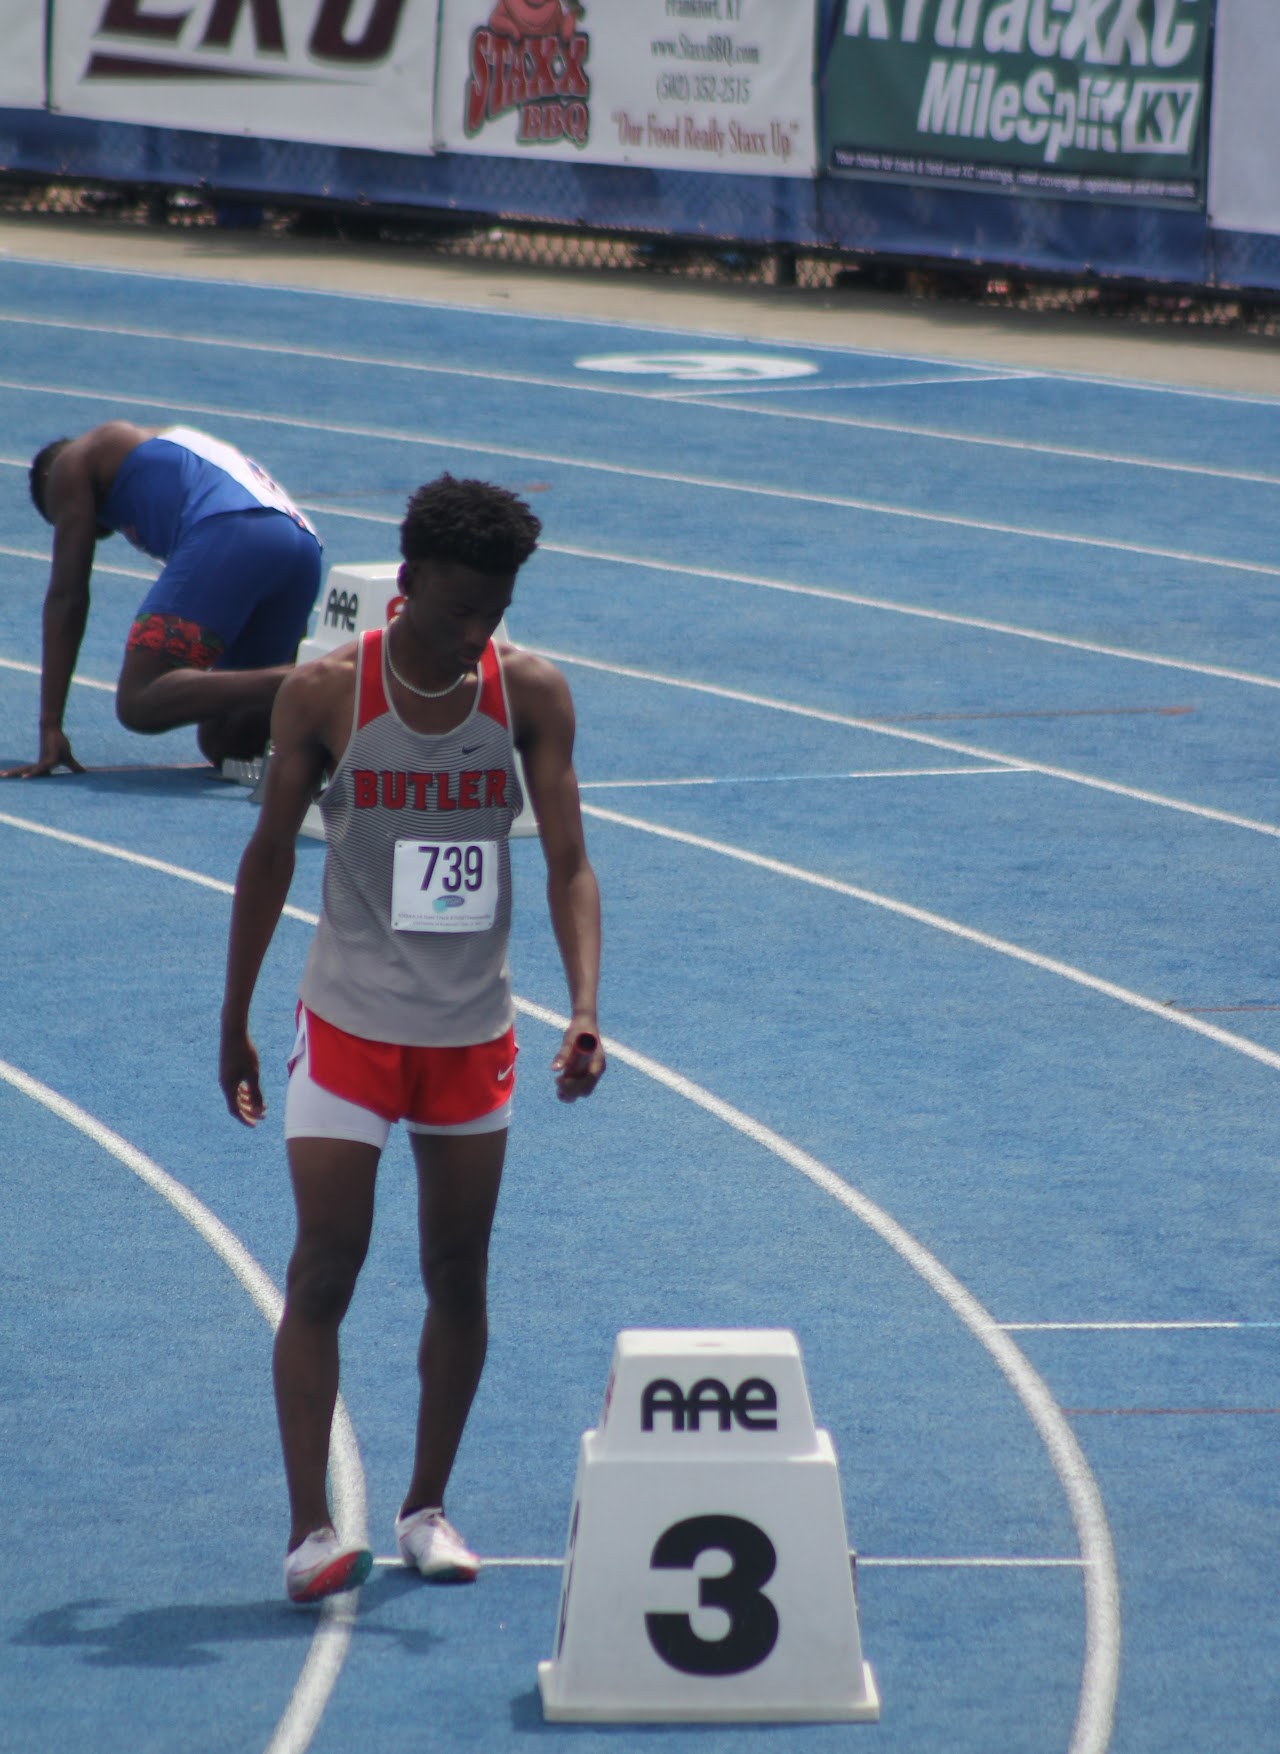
(718, 398)
(960, 374)
(580, 320)
(99, 566)
(1095, 1710)
(878, 727)
(1010, 629)
(35, 670)
(940, 923)
(667, 477)
(328, 1647)
(855, 600)
(760, 582)
(920, 916)
(948, 617)
(1100, 1673)
(907, 429)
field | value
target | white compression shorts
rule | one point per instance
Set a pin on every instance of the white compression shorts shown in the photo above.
(313, 1113)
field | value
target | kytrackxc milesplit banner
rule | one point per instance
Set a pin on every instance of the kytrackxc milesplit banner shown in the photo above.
(1100, 99)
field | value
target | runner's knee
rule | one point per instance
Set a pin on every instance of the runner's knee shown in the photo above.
(456, 1278)
(321, 1281)
(134, 710)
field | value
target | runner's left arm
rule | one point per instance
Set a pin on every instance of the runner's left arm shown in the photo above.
(544, 736)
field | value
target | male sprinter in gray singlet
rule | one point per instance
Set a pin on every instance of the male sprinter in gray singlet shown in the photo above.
(406, 1010)
(217, 632)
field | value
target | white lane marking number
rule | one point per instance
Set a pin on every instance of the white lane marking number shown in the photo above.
(700, 368)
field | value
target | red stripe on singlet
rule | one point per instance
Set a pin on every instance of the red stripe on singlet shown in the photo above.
(372, 698)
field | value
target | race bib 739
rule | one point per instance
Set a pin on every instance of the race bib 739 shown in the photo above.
(444, 886)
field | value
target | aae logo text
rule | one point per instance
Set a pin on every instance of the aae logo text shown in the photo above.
(752, 1405)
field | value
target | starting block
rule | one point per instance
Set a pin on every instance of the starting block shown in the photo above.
(707, 1576)
(355, 599)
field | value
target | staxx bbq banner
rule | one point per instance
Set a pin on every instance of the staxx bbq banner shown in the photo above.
(708, 85)
(1098, 99)
(331, 72)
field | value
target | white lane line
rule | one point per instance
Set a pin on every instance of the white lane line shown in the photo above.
(879, 728)
(144, 860)
(555, 319)
(958, 373)
(857, 600)
(1101, 1666)
(853, 599)
(668, 477)
(34, 670)
(939, 922)
(713, 398)
(909, 429)
(985, 1564)
(99, 565)
(791, 779)
(1071, 1562)
(921, 916)
(758, 581)
(1126, 1327)
(1095, 1709)
(328, 1648)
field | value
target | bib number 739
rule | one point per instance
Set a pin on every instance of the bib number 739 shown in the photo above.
(444, 886)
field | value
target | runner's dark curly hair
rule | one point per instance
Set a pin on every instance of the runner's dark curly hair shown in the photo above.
(471, 522)
(38, 474)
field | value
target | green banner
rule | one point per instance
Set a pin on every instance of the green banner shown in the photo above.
(1100, 99)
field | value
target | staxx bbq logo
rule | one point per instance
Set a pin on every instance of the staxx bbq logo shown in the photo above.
(531, 57)
(210, 39)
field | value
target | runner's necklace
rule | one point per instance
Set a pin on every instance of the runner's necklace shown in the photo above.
(422, 693)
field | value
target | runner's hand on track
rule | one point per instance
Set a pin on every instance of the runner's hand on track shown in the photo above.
(55, 752)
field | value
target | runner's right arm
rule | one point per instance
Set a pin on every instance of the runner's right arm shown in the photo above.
(299, 757)
(66, 605)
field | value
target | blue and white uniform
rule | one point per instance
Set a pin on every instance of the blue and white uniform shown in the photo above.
(242, 563)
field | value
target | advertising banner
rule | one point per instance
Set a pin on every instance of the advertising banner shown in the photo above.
(22, 63)
(1244, 141)
(1100, 99)
(332, 72)
(708, 85)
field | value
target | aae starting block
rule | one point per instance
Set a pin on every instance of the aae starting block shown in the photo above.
(707, 1575)
(354, 599)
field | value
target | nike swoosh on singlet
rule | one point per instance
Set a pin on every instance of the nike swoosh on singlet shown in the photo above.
(506, 1073)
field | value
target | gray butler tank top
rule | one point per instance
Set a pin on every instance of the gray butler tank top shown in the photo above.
(456, 792)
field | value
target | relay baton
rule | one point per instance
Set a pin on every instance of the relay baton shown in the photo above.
(584, 1046)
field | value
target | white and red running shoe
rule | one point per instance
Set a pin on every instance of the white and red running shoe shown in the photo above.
(323, 1565)
(430, 1543)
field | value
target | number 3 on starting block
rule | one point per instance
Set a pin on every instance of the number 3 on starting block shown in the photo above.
(707, 1573)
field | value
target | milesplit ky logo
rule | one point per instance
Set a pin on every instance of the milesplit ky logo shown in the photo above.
(151, 41)
(531, 57)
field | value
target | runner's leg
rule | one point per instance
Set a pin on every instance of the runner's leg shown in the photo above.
(333, 1189)
(458, 1180)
